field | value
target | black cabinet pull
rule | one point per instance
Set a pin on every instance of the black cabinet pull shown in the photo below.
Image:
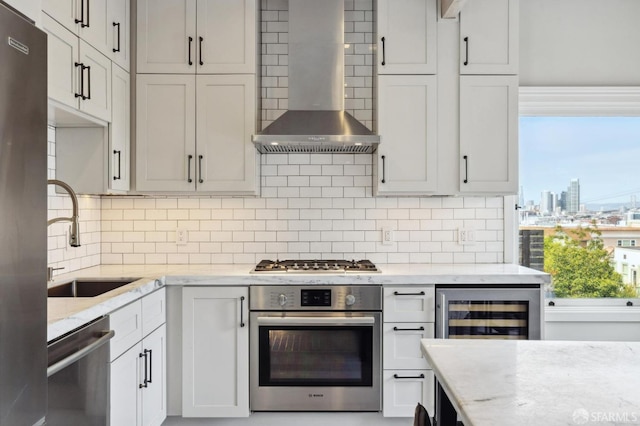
(190, 43)
(242, 311)
(200, 51)
(408, 329)
(88, 68)
(466, 169)
(82, 23)
(81, 20)
(397, 293)
(119, 154)
(189, 158)
(466, 51)
(81, 94)
(200, 157)
(145, 382)
(383, 169)
(117, 25)
(150, 364)
(384, 62)
(421, 376)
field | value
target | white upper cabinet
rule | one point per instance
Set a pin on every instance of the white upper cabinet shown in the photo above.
(407, 37)
(407, 124)
(489, 134)
(203, 36)
(119, 25)
(489, 37)
(119, 132)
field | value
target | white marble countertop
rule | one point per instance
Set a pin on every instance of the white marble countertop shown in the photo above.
(66, 314)
(534, 382)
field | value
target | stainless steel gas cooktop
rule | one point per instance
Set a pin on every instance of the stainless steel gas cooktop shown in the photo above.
(314, 266)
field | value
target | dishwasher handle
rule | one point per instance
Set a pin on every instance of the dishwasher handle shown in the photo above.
(64, 363)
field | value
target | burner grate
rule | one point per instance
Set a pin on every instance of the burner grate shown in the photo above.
(315, 266)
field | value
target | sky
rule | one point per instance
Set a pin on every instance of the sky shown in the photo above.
(603, 152)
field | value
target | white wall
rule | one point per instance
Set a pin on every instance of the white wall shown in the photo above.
(579, 42)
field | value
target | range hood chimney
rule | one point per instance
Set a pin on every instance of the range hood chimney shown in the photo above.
(316, 120)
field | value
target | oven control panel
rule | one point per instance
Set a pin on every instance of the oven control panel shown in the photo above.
(315, 298)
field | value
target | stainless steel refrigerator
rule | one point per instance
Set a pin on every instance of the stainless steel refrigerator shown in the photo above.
(23, 220)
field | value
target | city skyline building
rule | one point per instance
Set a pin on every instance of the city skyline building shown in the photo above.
(573, 197)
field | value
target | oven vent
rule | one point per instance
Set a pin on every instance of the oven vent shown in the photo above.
(306, 148)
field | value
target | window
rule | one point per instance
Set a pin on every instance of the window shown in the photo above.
(578, 153)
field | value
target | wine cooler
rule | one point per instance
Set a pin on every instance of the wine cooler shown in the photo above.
(488, 313)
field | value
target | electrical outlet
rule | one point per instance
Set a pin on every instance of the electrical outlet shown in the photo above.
(466, 236)
(387, 236)
(181, 236)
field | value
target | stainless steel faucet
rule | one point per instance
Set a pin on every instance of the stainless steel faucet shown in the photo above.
(74, 229)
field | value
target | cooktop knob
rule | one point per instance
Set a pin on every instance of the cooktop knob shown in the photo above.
(282, 299)
(350, 299)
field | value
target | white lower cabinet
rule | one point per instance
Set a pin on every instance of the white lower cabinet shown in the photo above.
(407, 378)
(138, 395)
(215, 345)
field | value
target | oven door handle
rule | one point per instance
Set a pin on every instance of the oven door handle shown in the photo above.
(315, 320)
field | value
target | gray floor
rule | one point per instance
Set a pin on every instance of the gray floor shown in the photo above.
(296, 419)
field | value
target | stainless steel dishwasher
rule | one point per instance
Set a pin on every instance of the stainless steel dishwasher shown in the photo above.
(78, 371)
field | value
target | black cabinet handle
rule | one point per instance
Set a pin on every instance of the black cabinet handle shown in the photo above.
(383, 168)
(190, 43)
(81, 20)
(189, 158)
(242, 311)
(466, 50)
(408, 329)
(81, 94)
(145, 382)
(384, 62)
(85, 24)
(466, 169)
(200, 157)
(200, 51)
(397, 293)
(119, 154)
(421, 376)
(88, 68)
(150, 364)
(117, 24)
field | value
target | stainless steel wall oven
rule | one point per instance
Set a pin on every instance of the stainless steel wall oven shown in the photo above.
(315, 348)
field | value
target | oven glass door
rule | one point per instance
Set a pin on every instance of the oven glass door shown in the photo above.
(312, 351)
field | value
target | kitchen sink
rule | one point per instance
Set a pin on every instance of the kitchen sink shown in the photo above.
(88, 287)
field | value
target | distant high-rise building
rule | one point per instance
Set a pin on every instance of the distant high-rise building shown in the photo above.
(563, 201)
(546, 202)
(573, 196)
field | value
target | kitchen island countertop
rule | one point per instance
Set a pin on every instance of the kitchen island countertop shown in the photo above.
(66, 314)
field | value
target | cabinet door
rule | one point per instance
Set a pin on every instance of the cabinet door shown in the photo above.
(166, 36)
(66, 12)
(401, 349)
(489, 134)
(62, 55)
(154, 394)
(96, 82)
(403, 388)
(407, 37)
(119, 130)
(95, 30)
(120, 32)
(226, 117)
(215, 339)
(165, 129)
(489, 37)
(226, 36)
(125, 388)
(407, 120)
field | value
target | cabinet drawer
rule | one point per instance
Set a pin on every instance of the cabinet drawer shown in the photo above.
(127, 323)
(409, 304)
(154, 311)
(403, 389)
(401, 344)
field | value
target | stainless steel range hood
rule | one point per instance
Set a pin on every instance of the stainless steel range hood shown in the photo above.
(316, 120)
